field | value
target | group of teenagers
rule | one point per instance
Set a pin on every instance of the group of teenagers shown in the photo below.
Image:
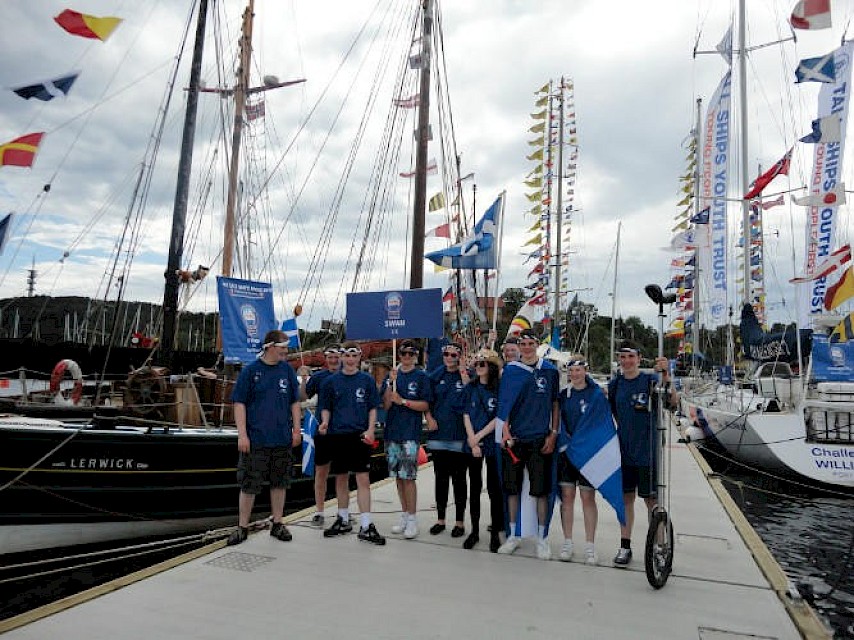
(507, 413)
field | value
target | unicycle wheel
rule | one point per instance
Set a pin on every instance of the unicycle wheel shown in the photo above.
(658, 557)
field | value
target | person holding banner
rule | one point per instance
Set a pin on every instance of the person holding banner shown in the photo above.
(529, 418)
(407, 393)
(480, 405)
(267, 415)
(446, 436)
(631, 398)
(309, 386)
(347, 403)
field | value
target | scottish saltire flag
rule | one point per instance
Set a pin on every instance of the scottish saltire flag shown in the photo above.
(291, 330)
(309, 428)
(478, 251)
(821, 69)
(701, 217)
(595, 451)
(49, 89)
(5, 225)
(826, 129)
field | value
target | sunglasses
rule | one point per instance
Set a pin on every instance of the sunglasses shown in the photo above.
(408, 352)
(451, 354)
(480, 363)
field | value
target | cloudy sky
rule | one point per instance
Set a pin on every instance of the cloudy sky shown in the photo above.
(636, 84)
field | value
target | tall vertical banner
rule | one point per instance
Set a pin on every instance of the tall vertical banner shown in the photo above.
(833, 99)
(712, 237)
(245, 315)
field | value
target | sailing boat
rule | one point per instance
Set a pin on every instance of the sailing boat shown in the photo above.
(792, 414)
(171, 470)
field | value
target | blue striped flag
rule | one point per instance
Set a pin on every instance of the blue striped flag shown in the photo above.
(289, 326)
(309, 428)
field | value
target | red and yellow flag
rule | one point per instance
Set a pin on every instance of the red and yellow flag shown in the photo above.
(20, 152)
(86, 26)
(841, 291)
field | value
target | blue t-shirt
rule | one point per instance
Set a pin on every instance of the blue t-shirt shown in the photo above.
(447, 406)
(530, 416)
(481, 404)
(312, 386)
(403, 423)
(573, 403)
(349, 399)
(268, 391)
(635, 416)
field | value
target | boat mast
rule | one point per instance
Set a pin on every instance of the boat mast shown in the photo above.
(612, 368)
(236, 134)
(745, 205)
(416, 269)
(695, 326)
(179, 212)
(559, 209)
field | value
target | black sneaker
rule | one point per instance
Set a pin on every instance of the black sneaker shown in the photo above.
(280, 532)
(237, 536)
(370, 534)
(338, 528)
(623, 558)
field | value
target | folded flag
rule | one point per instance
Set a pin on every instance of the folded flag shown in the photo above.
(781, 167)
(826, 129)
(834, 261)
(5, 225)
(49, 89)
(86, 26)
(701, 217)
(289, 326)
(811, 14)
(843, 332)
(821, 69)
(20, 152)
(832, 198)
(309, 428)
(841, 291)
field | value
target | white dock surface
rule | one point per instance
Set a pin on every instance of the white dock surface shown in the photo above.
(432, 588)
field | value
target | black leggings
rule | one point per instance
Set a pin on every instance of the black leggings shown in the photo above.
(447, 466)
(493, 490)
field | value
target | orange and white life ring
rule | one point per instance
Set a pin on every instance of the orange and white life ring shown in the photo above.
(73, 369)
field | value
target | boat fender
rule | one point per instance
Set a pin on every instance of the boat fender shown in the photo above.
(73, 369)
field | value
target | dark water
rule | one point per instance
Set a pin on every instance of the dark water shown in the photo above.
(811, 535)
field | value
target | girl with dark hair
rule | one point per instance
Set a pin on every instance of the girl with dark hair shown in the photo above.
(481, 403)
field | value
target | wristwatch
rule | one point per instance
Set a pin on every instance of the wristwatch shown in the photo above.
(554, 431)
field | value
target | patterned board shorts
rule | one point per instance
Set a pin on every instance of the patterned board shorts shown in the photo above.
(402, 459)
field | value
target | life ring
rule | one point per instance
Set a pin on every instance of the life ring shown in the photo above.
(73, 369)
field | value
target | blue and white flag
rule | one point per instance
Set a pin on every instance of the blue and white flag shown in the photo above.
(5, 225)
(826, 129)
(479, 250)
(309, 428)
(822, 69)
(291, 330)
(594, 449)
(49, 89)
(701, 217)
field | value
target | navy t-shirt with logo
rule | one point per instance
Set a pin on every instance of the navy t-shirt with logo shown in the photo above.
(268, 391)
(349, 398)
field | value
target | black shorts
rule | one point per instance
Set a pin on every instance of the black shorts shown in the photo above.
(568, 473)
(642, 479)
(539, 466)
(264, 464)
(346, 452)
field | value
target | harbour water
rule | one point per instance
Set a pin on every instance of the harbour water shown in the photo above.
(810, 534)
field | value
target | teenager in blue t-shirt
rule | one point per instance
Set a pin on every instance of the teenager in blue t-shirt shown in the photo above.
(406, 393)
(347, 405)
(446, 436)
(481, 405)
(631, 398)
(267, 415)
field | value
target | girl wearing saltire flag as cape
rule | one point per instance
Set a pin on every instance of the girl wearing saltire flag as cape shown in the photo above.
(591, 457)
(527, 425)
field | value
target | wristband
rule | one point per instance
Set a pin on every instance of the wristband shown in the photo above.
(406, 403)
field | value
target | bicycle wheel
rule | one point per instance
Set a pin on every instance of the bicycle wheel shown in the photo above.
(658, 557)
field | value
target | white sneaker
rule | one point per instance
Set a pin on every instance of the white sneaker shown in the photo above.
(566, 551)
(590, 556)
(400, 527)
(544, 550)
(510, 545)
(411, 530)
